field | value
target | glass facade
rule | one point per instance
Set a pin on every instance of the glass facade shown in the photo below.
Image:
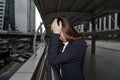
(9, 18)
(2, 8)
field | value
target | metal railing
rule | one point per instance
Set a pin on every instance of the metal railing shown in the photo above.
(43, 70)
(35, 37)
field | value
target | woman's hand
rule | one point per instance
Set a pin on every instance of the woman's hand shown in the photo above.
(55, 28)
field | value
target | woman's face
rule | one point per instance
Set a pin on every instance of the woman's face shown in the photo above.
(62, 37)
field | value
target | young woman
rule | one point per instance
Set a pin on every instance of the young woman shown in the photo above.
(71, 57)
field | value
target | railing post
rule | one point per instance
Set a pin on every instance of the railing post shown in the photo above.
(35, 36)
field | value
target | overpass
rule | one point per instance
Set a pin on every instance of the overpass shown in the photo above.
(12, 34)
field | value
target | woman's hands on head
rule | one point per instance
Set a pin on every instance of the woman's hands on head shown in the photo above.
(56, 27)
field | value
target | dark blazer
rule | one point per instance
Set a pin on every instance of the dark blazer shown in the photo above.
(71, 59)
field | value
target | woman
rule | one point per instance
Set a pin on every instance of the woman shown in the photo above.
(71, 58)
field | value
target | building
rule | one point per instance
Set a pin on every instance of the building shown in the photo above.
(7, 15)
(31, 16)
(2, 10)
(17, 15)
(25, 15)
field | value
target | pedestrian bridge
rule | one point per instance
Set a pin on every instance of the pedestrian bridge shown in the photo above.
(104, 65)
(98, 20)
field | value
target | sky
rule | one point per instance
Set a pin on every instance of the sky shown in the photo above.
(38, 20)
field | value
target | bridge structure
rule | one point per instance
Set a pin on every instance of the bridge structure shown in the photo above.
(12, 34)
(93, 18)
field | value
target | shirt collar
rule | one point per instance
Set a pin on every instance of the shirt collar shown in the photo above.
(65, 43)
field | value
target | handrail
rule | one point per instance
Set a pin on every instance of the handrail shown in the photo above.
(30, 66)
(38, 62)
(41, 67)
(42, 71)
(35, 36)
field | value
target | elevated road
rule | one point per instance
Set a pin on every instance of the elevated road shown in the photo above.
(13, 34)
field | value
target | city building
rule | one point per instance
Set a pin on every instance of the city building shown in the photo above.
(2, 10)
(31, 16)
(9, 15)
(17, 15)
(25, 15)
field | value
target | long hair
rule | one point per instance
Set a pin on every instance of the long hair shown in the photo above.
(69, 32)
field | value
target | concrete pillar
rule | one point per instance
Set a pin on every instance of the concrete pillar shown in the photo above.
(96, 24)
(116, 21)
(82, 27)
(104, 24)
(14, 47)
(90, 27)
(93, 37)
(100, 24)
(109, 22)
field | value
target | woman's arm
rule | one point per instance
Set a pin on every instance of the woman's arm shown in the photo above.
(74, 51)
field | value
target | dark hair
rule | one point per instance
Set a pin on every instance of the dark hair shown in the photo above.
(69, 32)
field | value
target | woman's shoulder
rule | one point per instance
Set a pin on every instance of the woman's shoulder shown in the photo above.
(78, 43)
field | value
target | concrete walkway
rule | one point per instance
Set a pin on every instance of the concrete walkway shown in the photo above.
(106, 44)
(105, 64)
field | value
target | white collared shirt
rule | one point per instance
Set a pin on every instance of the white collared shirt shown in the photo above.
(65, 44)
